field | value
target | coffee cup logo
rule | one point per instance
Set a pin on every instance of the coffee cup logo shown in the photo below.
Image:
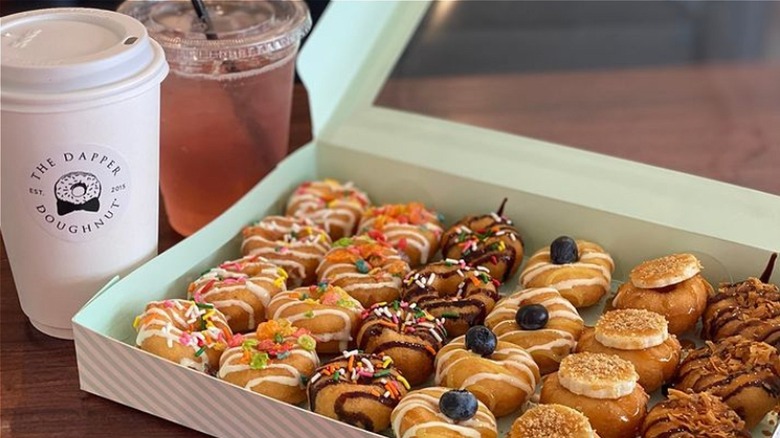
(77, 194)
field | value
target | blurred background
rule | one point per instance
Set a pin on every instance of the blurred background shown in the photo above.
(14, 6)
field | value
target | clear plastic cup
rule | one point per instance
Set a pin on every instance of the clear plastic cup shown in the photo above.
(226, 104)
(80, 101)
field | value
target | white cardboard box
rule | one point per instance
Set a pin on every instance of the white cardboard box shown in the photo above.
(635, 211)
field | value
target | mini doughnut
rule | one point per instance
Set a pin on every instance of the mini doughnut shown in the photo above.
(489, 240)
(277, 360)
(601, 386)
(418, 415)
(185, 332)
(452, 290)
(331, 205)
(240, 289)
(701, 415)
(750, 308)
(405, 332)
(358, 389)
(582, 279)
(548, 344)
(745, 374)
(410, 228)
(503, 380)
(640, 337)
(370, 271)
(332, 316)
(682, 297)
(297, 245)
(552, 421)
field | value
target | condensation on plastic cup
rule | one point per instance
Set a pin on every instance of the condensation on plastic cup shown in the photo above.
(80, 140)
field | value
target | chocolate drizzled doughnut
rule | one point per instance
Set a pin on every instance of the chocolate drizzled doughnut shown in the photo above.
(693, 415)
(452, 290)
(405, 332)
(357, 389)
(745, 374)
(749, 308)
(489, 240)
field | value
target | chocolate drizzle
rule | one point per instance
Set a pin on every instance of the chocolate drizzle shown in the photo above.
(494, 241)
(693, 415)
(382, 385)
(463, 301)
(729, 367)
(749, 308)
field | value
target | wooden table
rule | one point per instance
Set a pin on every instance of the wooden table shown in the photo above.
(719, 121)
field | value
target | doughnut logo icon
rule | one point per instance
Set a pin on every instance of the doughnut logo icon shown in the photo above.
(77, 191)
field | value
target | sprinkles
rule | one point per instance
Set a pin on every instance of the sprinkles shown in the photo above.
(364, 369)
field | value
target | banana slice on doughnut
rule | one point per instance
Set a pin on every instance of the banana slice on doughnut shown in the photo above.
(665, 271)
(631, 329)
(597, 375)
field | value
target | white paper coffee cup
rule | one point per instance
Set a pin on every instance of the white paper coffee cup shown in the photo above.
(80, 101)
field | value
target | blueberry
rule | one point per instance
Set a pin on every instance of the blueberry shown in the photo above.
(458, 404)
(564, 250)
(532, 317)
(481, 340)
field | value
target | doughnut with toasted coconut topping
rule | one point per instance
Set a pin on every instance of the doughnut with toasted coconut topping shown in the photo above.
(745, 374)
(687, 415)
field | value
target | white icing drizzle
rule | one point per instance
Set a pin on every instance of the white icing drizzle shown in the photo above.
(282, 249)
(514, 357)
(415, 238)
(428, 399)
(536, 267)
(164, 322)
(309, 202)
(230, 363)
(343, 336)
(502, 317)
(219, 293)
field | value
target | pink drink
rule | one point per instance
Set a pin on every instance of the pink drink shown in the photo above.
(226, 104)
(212, 154)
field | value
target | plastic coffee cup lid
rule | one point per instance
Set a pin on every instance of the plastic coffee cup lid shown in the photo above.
(62, 55)
(241, 29)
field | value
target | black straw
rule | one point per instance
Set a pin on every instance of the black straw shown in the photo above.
(203, 15)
